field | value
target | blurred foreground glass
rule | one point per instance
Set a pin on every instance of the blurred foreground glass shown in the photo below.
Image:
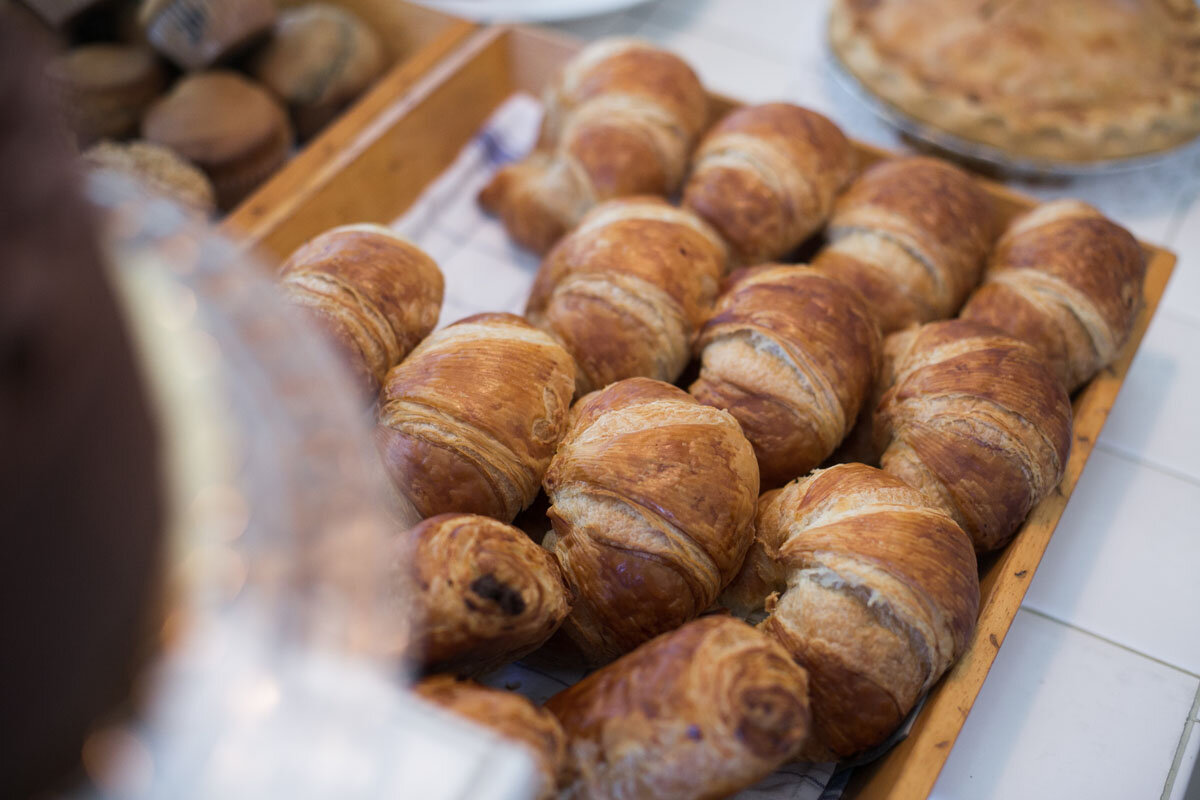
(283, 608)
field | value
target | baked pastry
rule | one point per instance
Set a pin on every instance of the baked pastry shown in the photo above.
(621, 120)
(652, 500)
(196, 34)
(871, 589)
(104, 89)
(231, 128)
(319, 58)
(627, 290)
(469, 420)
(978, 422)
(699, 712)
(911, 235)
(791, 353)
(159, 169)
(486, 593)
(765, 177)
(509, 715)
(375, 294)
(1067, 281)
(1062, 80)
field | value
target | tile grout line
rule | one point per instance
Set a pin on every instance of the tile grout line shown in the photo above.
(1189, 727)
(1141, 461)
(1050, 617)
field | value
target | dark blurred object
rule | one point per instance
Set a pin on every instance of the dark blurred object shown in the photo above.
(79, 480)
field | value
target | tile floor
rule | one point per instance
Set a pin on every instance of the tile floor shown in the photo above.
(1096, 690)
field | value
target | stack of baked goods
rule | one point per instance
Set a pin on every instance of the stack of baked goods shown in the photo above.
(202, 100)
(741, 606)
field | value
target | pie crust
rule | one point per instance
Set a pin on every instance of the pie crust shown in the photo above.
(1057, 80)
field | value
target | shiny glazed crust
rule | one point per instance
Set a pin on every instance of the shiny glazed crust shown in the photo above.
(652, 499)
(699, 712)
(791, 353)
(1062, 80)
(468, 422)
(508, 715)
(621, 120)
(626, 291)
(487, 592)
(1067, 281)
(765, 177)
(373, 293)
(978, 422)
(911, 235)
(878, 597)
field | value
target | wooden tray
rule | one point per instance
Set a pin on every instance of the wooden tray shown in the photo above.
(414, 38)
(374, 174)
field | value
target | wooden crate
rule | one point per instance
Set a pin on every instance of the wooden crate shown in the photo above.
(415, 38)
(376, 173)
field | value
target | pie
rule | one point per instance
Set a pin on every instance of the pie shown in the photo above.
(1056, 80)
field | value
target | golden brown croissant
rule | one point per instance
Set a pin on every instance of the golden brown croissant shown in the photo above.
(910, 234)
(699, 712)
(791, 353)
(626, 291)
(1066, 280)
(620, 121)
(508, 715)
(652, 505)
(871, 588)
(375, 295)
(765, 178)
(978, 422)
(487, 593)
(468, 422)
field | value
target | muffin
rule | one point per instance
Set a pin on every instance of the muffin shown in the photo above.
(230, 127)
(158, 168)
(320, 57)
(196, 34)
(104, 89)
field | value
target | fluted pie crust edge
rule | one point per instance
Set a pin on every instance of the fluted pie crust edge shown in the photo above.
(1102, 133)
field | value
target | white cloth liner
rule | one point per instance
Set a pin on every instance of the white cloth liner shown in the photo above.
(486, 272)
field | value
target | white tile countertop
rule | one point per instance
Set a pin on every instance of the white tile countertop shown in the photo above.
(1096, 692)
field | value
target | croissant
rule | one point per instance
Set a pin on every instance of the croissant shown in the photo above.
(652, 502)
(1067, 281)
(978, 422)
(488, 594)
(699, 712)
(765, 178)
(627, 290)
(791, 353)
(468, 422)
(910, 234)
(510, 716)
(373, 293)
(869, 587)
(621, 120)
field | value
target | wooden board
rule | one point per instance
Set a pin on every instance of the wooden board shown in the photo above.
(380, 169)
(415, 38)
